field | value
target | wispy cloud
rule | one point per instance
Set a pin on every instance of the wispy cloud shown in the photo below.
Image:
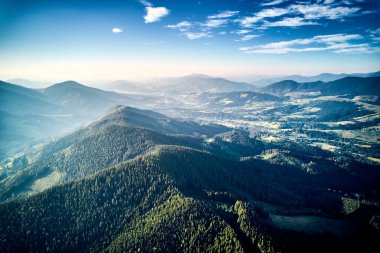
(319, 11)
(302, 14)
(249, 21)
(153, 14)
(215, 23)
(242, 31)
(224, 14)
(338, 43)
(182, 26)
(274, 2)
(194, 36)
(290, 22)
(248, 37)
(117, 30)
(374, 34)
(197, 30)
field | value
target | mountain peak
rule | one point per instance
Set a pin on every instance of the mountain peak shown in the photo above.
(69, 83)
(198, 75)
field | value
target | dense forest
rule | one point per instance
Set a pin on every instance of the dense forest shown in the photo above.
(127, 186)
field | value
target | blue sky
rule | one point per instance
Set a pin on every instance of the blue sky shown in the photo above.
(131, 39)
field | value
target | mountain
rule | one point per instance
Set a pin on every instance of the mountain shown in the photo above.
(288, 86)
(353, 86)
(324, 77)
(345, 86)
(198, 83)
(121, 134)
(178, 199)
(299, 171)
(82, 99)
(27, 115)
(233, 99)
(124, 86)
(28, 83)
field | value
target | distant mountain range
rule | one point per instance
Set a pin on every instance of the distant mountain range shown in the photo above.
(32, 114)
(325, 77)
(345, 86)
(195, 83)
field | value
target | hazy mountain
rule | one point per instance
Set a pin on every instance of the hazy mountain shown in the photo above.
(83, 99)
(198, 83)
(124, 86)
(27, 115)
(28, 83)
(345, 86)
(324, 77)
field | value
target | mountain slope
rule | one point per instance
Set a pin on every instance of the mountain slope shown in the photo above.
(348, 85)
(27, 115)
(82, 99)
(121, 134)
(171, 198)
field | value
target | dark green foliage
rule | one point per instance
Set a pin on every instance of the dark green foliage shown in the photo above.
(178, 225)
(347, 85)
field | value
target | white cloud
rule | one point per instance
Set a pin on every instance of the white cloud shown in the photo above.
(242, 31)
(318, 11)
(306, 14)
(117, 30)
(154, 14)
(182, 26)
(334, 38)
(337, 43)
(328, 1)
(374, 34)
(267, 13)
(352, 50)
(247, 37)
(224, 14)
(274, 2)
(290, 22)
(194, 36)
(214, 23)
(146, 3)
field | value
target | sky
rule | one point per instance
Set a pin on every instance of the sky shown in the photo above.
(56, 40)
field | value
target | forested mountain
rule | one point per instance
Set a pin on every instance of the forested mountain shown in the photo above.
(324, 77)
(348, 85)
(170, 199)
(291, 172)
(121, 134)
(82, 99)
(187, 191)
